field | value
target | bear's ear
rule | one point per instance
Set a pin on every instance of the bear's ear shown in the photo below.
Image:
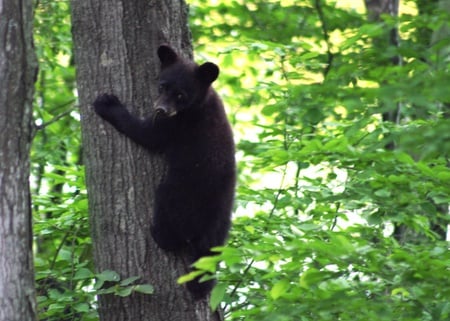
(208, 72)
(167, 55)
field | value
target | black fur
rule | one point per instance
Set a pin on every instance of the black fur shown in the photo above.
(193, 203)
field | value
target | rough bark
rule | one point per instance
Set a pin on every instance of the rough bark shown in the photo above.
(17, 76)
(115, 50)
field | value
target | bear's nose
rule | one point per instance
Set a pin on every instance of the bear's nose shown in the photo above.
(161, 110)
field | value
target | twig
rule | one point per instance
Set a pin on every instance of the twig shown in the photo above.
(58, 117)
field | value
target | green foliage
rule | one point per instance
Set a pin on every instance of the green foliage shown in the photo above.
(60, 208)
(120, 287)
(340, 214)
(332, 223)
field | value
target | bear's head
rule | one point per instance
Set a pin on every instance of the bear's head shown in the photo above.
(182, 83)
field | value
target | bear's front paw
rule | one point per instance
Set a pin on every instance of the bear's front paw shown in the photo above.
(105, 103)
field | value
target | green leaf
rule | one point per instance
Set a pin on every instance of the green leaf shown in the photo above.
(384, 192)
(109, 290)
(404, 158)
(129, 280)
(189, 277)
(310, 277)
(279, 289)
(207, 263)
(123, 292)
(400, 291)
(83, 273)
(217, 295)
(108, 275)
(81, 307)
(144, 288)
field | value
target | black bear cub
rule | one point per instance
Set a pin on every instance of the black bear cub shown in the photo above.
(189, 127)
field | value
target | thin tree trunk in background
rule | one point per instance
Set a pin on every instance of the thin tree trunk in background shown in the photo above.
(115, 50)
(18, 68)
(375, 8)
(391, 112)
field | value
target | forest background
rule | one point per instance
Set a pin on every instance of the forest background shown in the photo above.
(343, 147)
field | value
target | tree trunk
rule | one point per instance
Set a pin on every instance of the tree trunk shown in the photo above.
(115, 51)
(375, 8)
(17, 75)
(391, 112)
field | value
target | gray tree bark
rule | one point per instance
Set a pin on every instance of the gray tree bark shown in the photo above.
(115, 50)
(17, 75)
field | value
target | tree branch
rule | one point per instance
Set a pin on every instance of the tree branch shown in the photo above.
(57, 117)
(326, 36)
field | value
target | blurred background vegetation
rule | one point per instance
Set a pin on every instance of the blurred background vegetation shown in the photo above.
(341, 117)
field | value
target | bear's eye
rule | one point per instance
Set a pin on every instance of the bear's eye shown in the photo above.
(161, 88)
(180, 97)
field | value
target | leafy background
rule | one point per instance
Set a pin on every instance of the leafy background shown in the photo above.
(340, 214)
